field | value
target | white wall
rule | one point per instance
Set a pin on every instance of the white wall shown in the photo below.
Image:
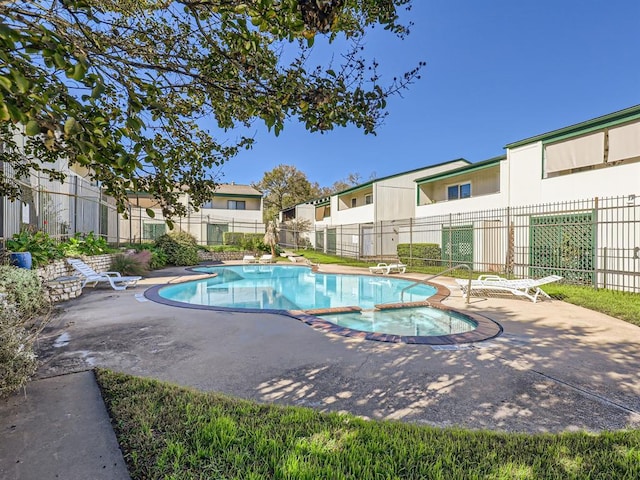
(362, 214)
(483, 202)
(527, 187)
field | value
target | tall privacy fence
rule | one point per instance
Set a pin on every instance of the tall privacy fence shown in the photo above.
(79, 206)
(59, 209)
(594, 242)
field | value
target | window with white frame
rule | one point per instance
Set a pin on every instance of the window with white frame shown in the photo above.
(236, 204)
(368, 199)
(354, 202)
(461, 190)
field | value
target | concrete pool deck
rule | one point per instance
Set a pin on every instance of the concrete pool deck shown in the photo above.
(556, 367)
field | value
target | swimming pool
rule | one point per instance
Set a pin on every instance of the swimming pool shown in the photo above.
(416, 322)
(279, 287)
(365, 306)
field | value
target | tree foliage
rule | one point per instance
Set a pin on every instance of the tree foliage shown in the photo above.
(283, 187)
(141, 92)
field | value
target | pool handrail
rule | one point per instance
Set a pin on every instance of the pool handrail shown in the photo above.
(450, 269)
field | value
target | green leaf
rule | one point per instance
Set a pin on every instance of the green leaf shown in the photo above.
(16, 114)
(70, 125)
(97, 90)
(4, 113)
(150, 213)
(22, 83)
(32, 128)
(5, 83)
(59, 60)
(79, 71)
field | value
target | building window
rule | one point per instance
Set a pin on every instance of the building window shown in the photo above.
(236, 204)
(368, 199)
(353, 202)
(455, 192)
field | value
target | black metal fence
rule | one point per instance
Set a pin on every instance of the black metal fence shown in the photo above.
(594, 241)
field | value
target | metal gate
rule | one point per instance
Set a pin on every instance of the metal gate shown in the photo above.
(331, 241)
(563, 245)
(457, 245)
(366, 248)
(215, 233)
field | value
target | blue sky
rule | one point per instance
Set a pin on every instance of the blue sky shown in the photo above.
(497, 71)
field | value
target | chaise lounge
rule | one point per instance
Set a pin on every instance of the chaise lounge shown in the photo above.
(527, 287)
(115, 279)
(266, 258)
(386, 269)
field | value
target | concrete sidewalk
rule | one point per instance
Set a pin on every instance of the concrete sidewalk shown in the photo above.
(60, 429)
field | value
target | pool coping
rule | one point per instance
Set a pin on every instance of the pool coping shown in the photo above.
(486, 327)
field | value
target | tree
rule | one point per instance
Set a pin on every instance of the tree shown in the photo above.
(283, 187)
(126, 87)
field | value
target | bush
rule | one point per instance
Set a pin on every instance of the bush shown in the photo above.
(420, 254)
(233, 238)
(89, 244)
(133, 264)
(180, 248)
(254, 242)
(158, 259)
(42, 247)
(24, 311)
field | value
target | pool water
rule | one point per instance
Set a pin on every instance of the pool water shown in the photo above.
(423, 321)
(278, 287)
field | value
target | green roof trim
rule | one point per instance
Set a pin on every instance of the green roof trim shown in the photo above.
(236, 195)
(371, 182)
(611, 119)
(462, 170)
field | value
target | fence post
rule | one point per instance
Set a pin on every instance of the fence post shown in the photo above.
(410, 241)
(604, 267)
(596, 217)
(450, 242)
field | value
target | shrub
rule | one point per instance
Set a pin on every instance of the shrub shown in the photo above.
(254, 242)
(89, 244)
(42, 247)
(24, 311)
(23, 288)
(134, 264)
(180, 248)
(420, 254)
(232, 238)
(158, 259)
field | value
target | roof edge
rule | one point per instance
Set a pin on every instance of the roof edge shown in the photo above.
(619, 116)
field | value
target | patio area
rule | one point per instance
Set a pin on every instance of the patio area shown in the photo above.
(557, 367)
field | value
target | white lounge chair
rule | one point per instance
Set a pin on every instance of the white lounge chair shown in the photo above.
(117, 281)
(527, 287)
(386, 269)
(249, 259)
(266, 258)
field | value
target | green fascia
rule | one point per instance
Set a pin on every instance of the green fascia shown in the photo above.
(605, 121)
(388, 177)
(461, 171)
(236, 195)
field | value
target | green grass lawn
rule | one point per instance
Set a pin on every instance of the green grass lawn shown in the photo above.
(176, 433)
(625, 306)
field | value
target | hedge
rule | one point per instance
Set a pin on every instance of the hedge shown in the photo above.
(420, 254)
(232, 238)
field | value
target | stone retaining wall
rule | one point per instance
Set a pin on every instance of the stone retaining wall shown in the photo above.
(62, 282)
(222, 256)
